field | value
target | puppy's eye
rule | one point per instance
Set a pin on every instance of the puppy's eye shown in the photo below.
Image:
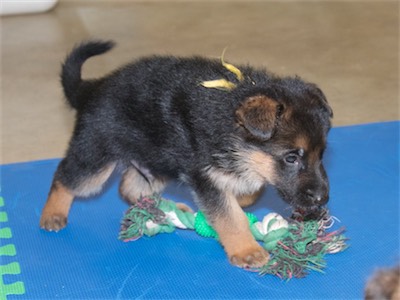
(292, 159)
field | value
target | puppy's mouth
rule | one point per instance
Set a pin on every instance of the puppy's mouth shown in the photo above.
(301, 213)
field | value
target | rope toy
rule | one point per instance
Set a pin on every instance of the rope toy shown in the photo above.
(296, 246)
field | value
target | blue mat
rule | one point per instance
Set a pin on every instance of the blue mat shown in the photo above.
(87, 261)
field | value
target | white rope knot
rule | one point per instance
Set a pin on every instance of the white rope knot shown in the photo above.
(271, 222)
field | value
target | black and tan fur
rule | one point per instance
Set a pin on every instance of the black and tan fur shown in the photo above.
(155, 121)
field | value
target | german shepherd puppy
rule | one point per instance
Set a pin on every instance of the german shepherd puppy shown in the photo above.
(223, 130)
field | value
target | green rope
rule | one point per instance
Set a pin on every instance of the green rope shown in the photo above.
(204, 229)
(295, 247)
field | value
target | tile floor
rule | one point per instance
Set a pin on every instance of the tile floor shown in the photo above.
(349, 48)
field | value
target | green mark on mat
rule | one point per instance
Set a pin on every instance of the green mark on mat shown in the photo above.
(13, 268)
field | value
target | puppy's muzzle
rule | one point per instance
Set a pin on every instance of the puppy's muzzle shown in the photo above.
(317, 197)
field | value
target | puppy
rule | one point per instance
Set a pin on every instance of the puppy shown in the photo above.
(225, 131)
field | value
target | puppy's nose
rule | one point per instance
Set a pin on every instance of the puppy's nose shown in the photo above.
(317, 197)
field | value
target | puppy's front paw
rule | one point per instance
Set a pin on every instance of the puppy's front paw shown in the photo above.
(54, 222)
(251, 257)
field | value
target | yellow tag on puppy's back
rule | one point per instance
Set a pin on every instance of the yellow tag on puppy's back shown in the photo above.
(219, 84)
(234, 70)
(231, 67)
(224, 84)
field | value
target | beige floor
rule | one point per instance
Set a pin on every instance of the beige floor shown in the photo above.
(350, 48)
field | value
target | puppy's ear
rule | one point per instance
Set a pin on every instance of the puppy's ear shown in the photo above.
(316, 91)
(258, 115)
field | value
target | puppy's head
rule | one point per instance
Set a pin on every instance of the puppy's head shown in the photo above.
(289, 129)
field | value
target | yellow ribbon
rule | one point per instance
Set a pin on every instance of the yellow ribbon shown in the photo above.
(223, 83)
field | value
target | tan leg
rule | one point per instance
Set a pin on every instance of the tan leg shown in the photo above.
(236, 238)
(55, 213)
(134, 185)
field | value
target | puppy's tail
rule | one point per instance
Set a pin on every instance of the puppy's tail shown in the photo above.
(71, 78)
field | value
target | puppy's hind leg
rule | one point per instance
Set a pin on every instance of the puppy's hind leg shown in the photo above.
(71, 181)
(137, 181)
(55, 212)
